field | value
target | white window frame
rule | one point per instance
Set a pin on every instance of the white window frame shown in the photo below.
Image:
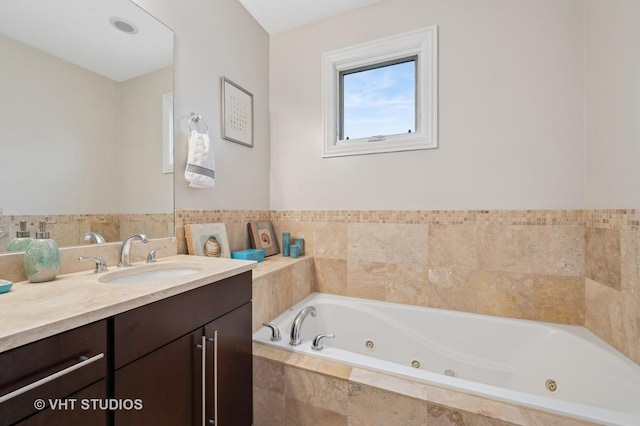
(422, 43)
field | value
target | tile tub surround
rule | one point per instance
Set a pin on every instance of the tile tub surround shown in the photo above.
(296, 389)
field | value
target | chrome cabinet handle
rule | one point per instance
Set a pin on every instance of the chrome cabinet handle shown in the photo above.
(203, 346)
(83, 363)
(215, 377)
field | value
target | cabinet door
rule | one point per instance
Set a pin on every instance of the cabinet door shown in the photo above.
(168, 383)
(78, 410)
(229, 394)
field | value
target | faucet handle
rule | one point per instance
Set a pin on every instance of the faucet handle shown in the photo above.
(275, 332)
(101, 265)
(151, 257)
(317, 341)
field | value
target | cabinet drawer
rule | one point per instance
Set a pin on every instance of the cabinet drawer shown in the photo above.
(83, 348)
(145, 329)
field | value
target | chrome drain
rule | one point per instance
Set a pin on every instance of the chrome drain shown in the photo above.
(416, 364)
(369, 344)
(449, 372)
(551, 385)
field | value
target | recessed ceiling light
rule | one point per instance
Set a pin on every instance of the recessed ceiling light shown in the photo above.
(123, 25)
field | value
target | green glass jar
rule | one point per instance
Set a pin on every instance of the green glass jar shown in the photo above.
(42, 258)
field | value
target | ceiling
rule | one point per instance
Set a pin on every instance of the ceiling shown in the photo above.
(79, 31)
(280, 15)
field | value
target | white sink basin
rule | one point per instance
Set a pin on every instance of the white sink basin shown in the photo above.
(150, 273)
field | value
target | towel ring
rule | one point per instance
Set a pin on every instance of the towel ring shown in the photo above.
(194, 120)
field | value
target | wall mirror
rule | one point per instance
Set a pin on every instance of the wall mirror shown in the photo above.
(81, 119)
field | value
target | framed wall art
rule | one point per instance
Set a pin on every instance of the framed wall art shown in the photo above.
(237, 113)
(262, 236)
(207, 239)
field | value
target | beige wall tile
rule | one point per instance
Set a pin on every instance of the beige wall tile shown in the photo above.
(405, 243)
(453, 245)
(366, 279)
(505, 294)
(631, 325)
(406, 283)
(373, 406)
(300, 413)
(603, 312)
(303, 279)
(558, 299)
(443, 416)
(505, 248)
(330, 240)
(452, 288)
(366, 242)
(630, 260)
(602, 256)
(558, 250)
(331, 276)
(314, 389)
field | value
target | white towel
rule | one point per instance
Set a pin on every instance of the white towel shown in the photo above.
(200, 172)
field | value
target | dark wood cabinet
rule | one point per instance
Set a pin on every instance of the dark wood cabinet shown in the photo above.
(55, 370)
(184, 360)
(188, 357)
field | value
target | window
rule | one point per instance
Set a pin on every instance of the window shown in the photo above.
(381, 96)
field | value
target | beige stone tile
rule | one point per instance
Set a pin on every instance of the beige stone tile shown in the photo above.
(505, 294)
(300, 413)
(268, 375)
(539, 418)
(330, 240)
(453, 245)
(452, 288)
(439, 415)
(630, 260)
(331, 276)
(505, 248)
(369, 405)
(315, 389)
(603, 312)
(406, 283)
(366, 279)
(303, 280)
(272, 295)
(405, 243)
(558, 299)
(631, 325)
(602, 256)
(268, 408)
(558, 250)
(366, 242)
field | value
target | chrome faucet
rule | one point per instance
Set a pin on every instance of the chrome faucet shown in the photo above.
(297, 324)
(125, 249)
(97, 238)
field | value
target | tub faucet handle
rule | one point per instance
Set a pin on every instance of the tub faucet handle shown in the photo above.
(275, 332)
(317, 341)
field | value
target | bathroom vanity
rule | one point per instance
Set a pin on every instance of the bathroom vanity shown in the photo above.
(177, 351)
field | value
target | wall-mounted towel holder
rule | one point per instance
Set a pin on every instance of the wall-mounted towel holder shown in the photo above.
(194, 120)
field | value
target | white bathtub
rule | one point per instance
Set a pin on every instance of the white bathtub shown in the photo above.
(499, 358)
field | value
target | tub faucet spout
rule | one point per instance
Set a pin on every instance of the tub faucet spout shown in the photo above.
(296, 327)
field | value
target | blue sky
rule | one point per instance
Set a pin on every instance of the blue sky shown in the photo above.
(380, 101)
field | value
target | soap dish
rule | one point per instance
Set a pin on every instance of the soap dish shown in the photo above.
(5, 286)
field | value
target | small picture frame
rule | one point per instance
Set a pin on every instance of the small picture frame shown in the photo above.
(262, 236)
(207, 239)
(237, 113)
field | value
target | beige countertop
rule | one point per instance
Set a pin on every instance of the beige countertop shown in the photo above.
(33, 311)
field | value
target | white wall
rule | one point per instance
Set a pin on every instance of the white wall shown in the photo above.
(143, 187)
(50, 135)
(612, 104)
(215, 39)
(510, 114)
